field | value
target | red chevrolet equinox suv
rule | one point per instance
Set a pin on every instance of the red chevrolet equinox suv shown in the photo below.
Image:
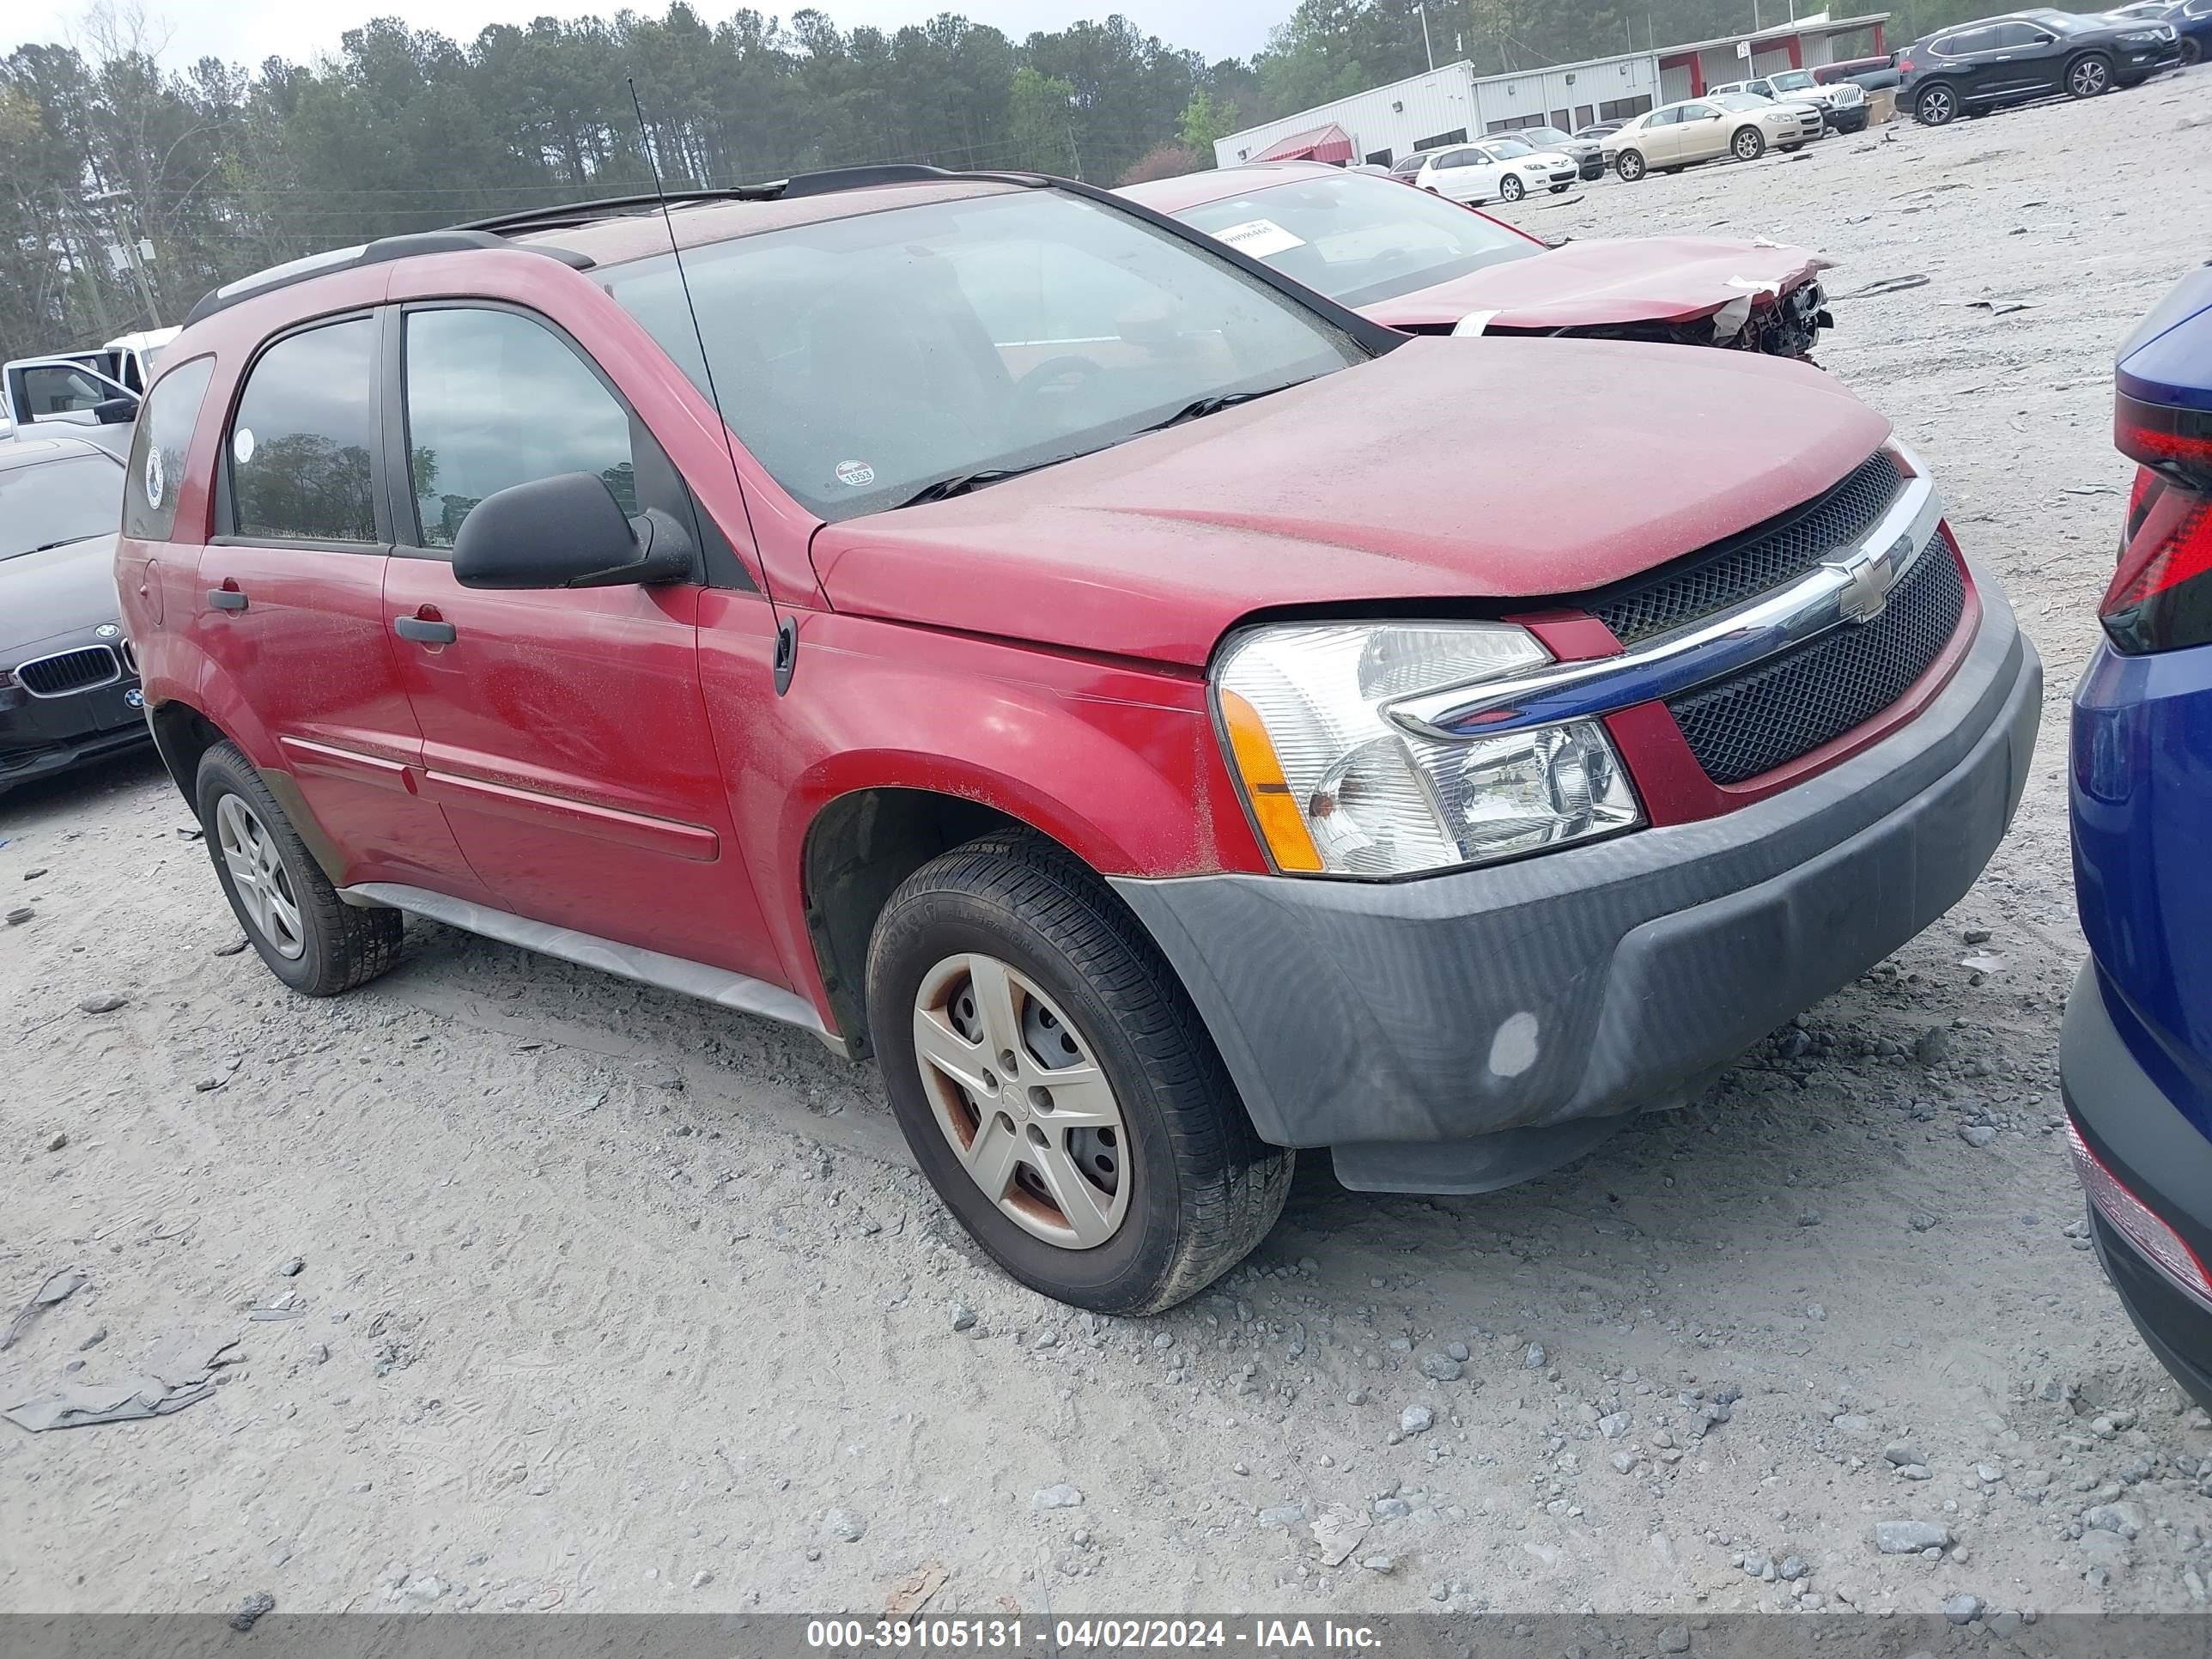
(997, 629)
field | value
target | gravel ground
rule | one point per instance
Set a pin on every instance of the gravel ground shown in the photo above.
(576, 1295)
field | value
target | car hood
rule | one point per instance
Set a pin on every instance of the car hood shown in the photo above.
(62, 591)
(1647, 280)
(1388, 482)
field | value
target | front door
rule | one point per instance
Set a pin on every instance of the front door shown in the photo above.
(289, 608)
(1700, 134)
(564, 730)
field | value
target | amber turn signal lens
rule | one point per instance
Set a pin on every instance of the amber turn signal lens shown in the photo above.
(1281, 825)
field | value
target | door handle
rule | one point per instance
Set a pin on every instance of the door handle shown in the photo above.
(226, 599)
(423, 630)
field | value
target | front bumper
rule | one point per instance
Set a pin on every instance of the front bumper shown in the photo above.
(1853, 119)
(2162, 1157)
(1591, 166)
(1596, 981)
(41, 736)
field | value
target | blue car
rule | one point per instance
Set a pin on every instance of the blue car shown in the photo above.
(2136, 1055)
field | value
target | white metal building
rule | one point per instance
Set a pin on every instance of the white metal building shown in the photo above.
(1451, 104)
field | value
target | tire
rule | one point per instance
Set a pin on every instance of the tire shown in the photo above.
(310, 939)
(2089, 76)
(2192, 51)
(1193, 1189)
(1510, 188)
(1790, 149)
(1629, 164)
(1748, 144)
(1935, 105)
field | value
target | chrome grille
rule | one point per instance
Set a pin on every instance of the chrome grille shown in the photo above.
(68, 672)
(1769, 715)
(1746, 565)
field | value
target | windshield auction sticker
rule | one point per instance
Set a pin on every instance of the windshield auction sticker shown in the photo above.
(1260, 238)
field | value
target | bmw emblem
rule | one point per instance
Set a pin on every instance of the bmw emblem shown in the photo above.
(135, 698)
(107, 630)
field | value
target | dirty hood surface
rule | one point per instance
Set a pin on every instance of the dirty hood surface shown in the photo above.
(1648, 279)
(1496, 469)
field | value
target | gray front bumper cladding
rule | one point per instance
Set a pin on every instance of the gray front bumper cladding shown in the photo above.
(1381, 1018)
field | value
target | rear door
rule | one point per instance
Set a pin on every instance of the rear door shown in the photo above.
(564, 730)
(289, 608)
(1658, 137)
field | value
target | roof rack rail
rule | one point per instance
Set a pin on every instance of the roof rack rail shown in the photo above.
(459, 239)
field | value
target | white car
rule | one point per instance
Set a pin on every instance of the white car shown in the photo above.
(1710, 129)
(1499, 169)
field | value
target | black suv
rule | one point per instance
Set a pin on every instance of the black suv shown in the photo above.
(1976, 67)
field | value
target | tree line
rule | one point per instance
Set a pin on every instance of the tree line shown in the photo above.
(128, 186)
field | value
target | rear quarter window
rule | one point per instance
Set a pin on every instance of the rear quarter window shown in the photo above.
(158, 448)
(301, 444)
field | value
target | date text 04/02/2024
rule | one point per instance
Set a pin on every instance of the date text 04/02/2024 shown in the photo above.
(956, 1635)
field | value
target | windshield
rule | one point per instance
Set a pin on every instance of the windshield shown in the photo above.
(50, 502)
(1506, 149)
(1358, 240)
(1543, 136)
(1739, 101)
(860, 359)
(1791, 81)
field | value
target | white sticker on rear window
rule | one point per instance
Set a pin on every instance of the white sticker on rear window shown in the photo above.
(857, 474)
(241, 445)
(1260, 238)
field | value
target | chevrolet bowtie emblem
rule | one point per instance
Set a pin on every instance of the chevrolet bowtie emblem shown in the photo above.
(1869, 576)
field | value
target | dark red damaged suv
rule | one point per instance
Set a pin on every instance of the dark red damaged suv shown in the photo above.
(1013, 635)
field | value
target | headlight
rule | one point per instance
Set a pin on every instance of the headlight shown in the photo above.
(1336, 787)
(2140, 37)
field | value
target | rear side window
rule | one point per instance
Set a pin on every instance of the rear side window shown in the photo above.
(157, 451)
(495, 399)
(301, 441)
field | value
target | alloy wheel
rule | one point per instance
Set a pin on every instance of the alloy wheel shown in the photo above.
(1019, 1095)
(259, 877)
(2087, 78)
(1511, 188)
(1935, 106)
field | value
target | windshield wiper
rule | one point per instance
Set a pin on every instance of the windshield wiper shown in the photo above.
(960, 483)
(48, 547)
(1200, 408)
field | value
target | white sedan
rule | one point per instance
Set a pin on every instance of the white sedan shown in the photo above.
(1710, 129)
(1499, 169)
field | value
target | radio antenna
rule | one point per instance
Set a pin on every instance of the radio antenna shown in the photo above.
(787, 630)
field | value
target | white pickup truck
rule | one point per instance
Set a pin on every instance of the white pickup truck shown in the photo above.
(1842, 104)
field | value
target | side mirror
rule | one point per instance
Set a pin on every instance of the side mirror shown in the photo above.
(116, 412)
(566, 532)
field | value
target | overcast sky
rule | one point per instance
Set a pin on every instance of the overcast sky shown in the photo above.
(247, 30)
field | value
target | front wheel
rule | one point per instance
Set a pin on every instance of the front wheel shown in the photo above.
(309, 937)
(1057, 1087)
(1629, 164)
(1510, 188)
(1937, 106)
(2192, 50)
(2088, 77)
(1748, 144)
